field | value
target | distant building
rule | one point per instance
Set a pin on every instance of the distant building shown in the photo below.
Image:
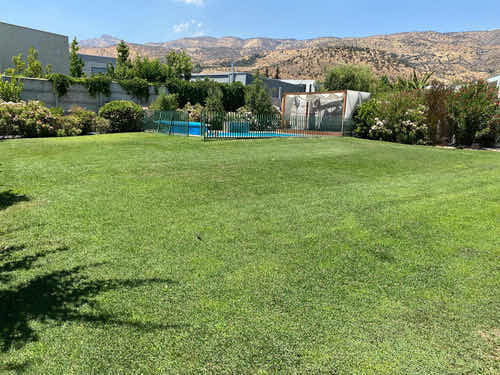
(496, 80)
(96, 64)
(52, 48)
(275, 87)
(311, 85)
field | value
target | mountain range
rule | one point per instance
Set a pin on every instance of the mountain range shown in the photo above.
(454, 56)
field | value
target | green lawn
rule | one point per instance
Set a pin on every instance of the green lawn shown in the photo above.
(149, 254)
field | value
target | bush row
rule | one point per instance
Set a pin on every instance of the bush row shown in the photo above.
(197, 92)
(33, 119)
(435, 115)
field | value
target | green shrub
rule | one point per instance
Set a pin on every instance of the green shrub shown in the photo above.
(33, 119)
(98, 83)
(471, 111)
(214, 101)
(102, 125)
(87, 118)
(36, 120)
(437, 98)
(124, 116)
(398, 117)
(165, 102)
(137, 87)
(414, 82)
(364, 117)
(61, 83)
(233, 96)
(10, 91)
(10, 118)
(69, 126)
(350, 77)
(57, 111)
(489, 136)
(197, 92)
(257, 99)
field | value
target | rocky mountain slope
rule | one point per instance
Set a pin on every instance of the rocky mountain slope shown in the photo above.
(453, 56)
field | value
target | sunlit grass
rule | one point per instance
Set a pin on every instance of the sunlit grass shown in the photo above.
(149, 254)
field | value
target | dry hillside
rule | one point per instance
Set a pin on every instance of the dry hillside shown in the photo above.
(453, 56)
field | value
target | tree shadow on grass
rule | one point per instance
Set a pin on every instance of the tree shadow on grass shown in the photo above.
(9, 198)
(55, 296)
(9, 263)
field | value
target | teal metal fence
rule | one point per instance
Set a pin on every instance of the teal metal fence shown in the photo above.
(220, 125)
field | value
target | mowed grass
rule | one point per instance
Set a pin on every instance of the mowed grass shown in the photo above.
(149, 254)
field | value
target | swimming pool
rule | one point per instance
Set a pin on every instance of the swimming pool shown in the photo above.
(250, 134)
(194, 129)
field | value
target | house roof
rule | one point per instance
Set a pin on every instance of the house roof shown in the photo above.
(494, 79)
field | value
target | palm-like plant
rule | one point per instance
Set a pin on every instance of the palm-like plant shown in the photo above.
(415, 82)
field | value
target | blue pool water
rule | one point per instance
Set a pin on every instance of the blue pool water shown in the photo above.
(181, 127)
(250, 134)
(194, 129)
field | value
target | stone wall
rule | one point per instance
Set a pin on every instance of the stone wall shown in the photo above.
(41, 89)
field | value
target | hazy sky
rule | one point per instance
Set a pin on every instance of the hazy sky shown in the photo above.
(163, 20)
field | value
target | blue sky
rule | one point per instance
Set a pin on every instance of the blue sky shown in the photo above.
(162, 20)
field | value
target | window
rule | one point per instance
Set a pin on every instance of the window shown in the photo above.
(97, 70)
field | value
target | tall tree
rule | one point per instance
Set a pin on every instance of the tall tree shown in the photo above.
(277, 74)
(123, 53)
(31, 68)
(266, 72)
(152, 70)
(75, 62)
(34, 67)
(19, 66)
(179, 65)
(123, 68)
(257, 99)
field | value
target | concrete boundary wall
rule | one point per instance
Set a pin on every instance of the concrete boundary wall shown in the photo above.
(42, 89)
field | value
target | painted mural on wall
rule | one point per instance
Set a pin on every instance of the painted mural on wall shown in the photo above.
(323, 111)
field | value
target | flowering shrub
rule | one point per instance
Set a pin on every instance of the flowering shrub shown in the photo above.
(69, 126)
(87, 118)
(431, 116)
(194, 111)
(102, 125)
(266, 121)
(366, 117)
(379, 130)
(399, 117)
(32, 119)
